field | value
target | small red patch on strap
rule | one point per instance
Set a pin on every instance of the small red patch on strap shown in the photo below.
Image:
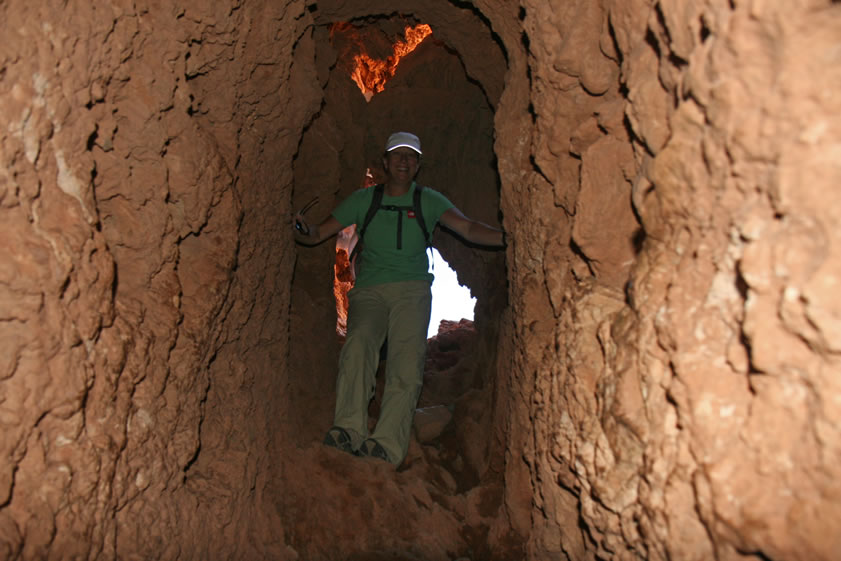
(410, 213)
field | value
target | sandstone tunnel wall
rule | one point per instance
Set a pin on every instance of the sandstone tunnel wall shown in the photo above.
(146, 152)
(675, 324)
(667, 380)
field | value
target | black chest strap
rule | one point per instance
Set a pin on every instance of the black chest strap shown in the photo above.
(376, 204)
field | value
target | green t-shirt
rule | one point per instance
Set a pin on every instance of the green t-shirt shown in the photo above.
(380, 261)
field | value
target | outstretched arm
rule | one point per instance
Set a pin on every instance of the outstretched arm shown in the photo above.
(472, 230)
(313, 235)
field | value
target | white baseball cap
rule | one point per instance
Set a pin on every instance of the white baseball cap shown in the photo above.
(403, 139)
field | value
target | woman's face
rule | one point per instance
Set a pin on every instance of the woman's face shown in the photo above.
(401, 164)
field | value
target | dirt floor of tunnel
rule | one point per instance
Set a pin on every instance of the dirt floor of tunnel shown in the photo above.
(438, 504)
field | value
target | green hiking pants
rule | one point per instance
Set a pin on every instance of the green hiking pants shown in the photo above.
(400, 311)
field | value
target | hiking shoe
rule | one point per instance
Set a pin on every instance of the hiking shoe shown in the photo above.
(372, 449)
(338, 438)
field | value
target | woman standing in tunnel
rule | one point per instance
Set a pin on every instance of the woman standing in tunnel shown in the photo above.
(391, 298)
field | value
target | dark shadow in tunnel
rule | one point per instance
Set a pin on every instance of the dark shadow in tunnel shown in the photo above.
(456, 451)
(431, 95)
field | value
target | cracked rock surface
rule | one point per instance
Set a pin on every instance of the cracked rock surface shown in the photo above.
(653, 368)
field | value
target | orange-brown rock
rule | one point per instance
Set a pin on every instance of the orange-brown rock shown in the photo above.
(653, 368)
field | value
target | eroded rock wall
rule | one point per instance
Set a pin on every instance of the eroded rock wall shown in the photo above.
(146, 154)
(667, 384)
(675, 381)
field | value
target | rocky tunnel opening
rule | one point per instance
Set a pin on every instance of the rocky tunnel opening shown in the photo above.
(653, 373)
(341, 151)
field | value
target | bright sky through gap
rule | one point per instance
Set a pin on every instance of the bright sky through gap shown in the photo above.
(450, 300)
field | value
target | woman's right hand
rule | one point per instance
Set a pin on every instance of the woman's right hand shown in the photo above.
(313, 234)
(300, 225)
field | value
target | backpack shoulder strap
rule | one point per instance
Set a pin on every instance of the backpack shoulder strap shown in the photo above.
(376, 201)
(416, 200)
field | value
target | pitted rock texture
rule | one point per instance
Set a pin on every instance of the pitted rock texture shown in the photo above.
(677, 368)
(129, 271)
(653, 369)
